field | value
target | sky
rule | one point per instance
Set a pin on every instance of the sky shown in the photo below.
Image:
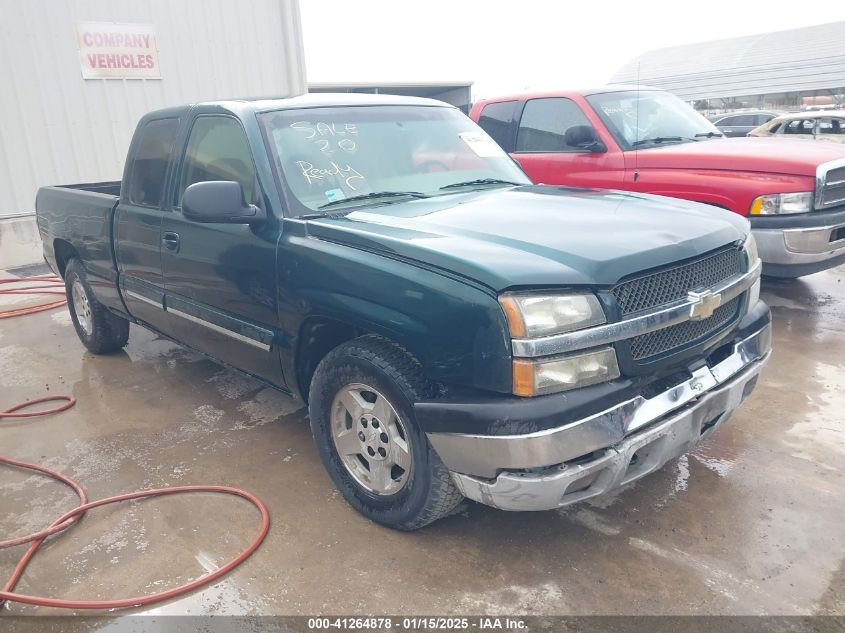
(506, 47)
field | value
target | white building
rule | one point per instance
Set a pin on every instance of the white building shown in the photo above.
(77, 76)
(782, 70)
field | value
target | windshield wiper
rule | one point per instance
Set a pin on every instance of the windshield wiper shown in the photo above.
(709, 135)
(375, 195)
(663, 139)
(481, 181)
(325, 215)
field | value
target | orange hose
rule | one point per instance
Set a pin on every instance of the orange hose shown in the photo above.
(55, 286)
(72, 516)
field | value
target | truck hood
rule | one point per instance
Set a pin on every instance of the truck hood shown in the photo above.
(768, 155)
(535, 236)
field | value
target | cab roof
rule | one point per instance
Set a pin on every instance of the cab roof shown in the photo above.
(243, 107)
(323, 99)
(583, 92)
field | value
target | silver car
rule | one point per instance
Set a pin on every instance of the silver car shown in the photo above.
(740, 123)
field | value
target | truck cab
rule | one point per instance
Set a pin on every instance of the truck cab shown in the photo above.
(647, 140)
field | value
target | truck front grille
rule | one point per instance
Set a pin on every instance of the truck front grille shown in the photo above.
(669, 338)
(663, 286)
(833, 192)
(671, 284)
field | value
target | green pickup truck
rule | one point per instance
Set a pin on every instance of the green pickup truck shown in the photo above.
(455, 330)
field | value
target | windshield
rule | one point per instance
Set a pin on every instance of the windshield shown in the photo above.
(648, 118)
(328, 155)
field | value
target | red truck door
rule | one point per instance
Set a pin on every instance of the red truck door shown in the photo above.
(551, 134)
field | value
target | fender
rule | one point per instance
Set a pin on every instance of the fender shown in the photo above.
(455, 329)
(733, 190)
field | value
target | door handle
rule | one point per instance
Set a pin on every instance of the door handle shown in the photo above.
(171, 241)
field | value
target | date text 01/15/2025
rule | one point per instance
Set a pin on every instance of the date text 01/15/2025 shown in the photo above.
(423, 623)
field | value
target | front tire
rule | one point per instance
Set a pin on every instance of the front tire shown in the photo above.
(100, 330)
(361, 409)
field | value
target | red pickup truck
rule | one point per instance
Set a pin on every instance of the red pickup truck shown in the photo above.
(648, 140)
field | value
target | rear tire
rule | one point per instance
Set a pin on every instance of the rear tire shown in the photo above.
(361, 404)
(100, 330)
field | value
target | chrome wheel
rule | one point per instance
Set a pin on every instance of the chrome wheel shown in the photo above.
(371, 439)
(82, 307)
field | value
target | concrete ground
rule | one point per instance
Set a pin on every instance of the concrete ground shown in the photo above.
(751, 523)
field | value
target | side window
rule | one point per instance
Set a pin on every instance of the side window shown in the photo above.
(149, 165)
(496, 120)
(799, 126)
(727, 121)
(743, 120)
(760, 119)
(217, 150)
(544, 125)
(830, 126)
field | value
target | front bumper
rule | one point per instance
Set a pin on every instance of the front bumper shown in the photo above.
(585, 458)
(793, 246)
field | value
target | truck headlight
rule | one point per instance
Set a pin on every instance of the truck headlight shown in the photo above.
(538, 377)
(778, 203)
(749, 247)
(536, 315)
(752, 256)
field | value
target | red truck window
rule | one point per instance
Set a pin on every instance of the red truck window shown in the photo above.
(544, 123)
(496, 119)
(152, 154)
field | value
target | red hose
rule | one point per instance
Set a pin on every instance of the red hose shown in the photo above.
(54, 527)
(12, 413)
(54, 286)
(72, 516)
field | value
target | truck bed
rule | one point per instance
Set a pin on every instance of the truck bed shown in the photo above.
(109, 187)
(77, 220)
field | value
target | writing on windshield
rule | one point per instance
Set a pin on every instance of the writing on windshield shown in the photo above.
(329, 154)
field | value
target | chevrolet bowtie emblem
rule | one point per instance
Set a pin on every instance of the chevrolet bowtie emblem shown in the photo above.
(703, 304)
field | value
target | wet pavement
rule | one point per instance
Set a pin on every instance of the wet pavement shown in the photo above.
(750, 523)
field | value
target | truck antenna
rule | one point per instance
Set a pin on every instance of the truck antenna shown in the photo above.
(637, 124)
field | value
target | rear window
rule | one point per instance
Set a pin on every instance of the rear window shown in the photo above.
(496, 119)
(149, 165)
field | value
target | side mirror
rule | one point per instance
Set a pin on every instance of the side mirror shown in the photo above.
(219, 202)
(584, 137)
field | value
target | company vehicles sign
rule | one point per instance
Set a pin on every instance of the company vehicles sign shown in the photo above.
(109, 50)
